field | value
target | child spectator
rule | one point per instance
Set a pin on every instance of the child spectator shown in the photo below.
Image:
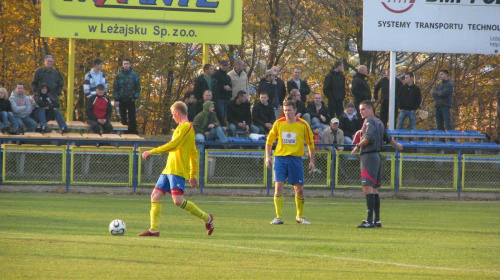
(48, 109)
(99, 111)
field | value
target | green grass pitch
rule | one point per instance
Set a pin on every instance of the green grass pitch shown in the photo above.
(65, 236)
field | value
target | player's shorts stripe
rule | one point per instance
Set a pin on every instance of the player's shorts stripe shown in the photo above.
(365, 174)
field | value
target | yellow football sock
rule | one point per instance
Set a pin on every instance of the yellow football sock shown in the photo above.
(193, 209)
(155, 215)
(279, 200)
(299, 203)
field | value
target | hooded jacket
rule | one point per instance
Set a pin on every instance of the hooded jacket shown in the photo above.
(21, 105)
(45, 100)
(204, 118)
(127, 85)
(350, 125)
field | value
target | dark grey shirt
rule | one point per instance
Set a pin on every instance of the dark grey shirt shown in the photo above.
(374, 130)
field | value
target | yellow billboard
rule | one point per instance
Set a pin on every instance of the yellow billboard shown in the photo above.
(183, 21)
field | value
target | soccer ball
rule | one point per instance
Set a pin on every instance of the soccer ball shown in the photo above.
(117, 227)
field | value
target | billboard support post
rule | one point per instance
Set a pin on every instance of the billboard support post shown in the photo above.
(392, 90)
(71, 79)
(206, 54)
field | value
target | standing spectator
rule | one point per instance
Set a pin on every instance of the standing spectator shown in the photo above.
(22, 107)
(263, 114)
(360, 89)
(280, 86)
(443, 97)
(269, 84)
(239, 116)
(127, 87)
(409, 102)
(224, 90)
(182, 166)
(301, 106)
(239, 78)
(383, 84)
(320, 115)
(333, 135)
(190, 100)
(369, 147)
(48, 109)
(99, 111)
(334, 89)
(296, 83)
(49, 76)
(350, 123)
(6, 113)
(93, 78)
(292, 134)
(207, 126)
(204, 82)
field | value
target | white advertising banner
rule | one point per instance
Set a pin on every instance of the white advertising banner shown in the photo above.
(441, 26)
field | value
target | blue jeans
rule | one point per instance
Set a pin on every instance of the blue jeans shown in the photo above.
(48, 115)
(29, 122)
(234, 128)
(8, 116)
(221, 105)
(315, 121)
(403, 114)
(214, 132)
(443, 118)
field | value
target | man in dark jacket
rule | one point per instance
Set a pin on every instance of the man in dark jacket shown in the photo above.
(127, 87)
(334, 89)
(443, 97)
(49, 76)
(409, 101)
(297, 83)
(224, 88)
(99, 111)
(383, 84)
(263, 114)
(239, 116)
(301, 106)
(360, 89)
(280, 86)
(269, 84)
(204, 82)
(320, 115)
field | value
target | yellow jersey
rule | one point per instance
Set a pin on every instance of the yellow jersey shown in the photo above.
(182, 153)
(291, 137)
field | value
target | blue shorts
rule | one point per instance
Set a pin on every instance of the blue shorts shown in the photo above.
(289, 167)
(167, 182)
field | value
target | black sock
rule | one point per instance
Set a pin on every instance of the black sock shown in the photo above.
(370, 202)
(376, 207)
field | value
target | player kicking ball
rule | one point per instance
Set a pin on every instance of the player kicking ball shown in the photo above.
(182, 164)
(370, 145)
(292, 132)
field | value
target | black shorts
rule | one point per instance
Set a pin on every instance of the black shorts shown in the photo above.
(371, 169)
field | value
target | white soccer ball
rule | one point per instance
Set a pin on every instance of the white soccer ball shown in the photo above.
(117, 227)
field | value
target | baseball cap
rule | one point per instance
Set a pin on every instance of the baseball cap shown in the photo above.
(350, 104)
(223, 63)
(334, 120)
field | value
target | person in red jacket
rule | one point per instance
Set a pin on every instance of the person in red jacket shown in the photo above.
(99, 112)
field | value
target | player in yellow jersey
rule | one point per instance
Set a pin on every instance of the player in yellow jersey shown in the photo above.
(182, 165)
(291, 132)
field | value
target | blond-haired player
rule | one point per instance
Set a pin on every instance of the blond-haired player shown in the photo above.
(182, 165)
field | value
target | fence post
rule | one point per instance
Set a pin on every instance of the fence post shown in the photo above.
(269, 175)
(333, 156)
(396, 171)
(1, 163)
(459, 172)
(201, 167)
(68, 165)
(135, 167)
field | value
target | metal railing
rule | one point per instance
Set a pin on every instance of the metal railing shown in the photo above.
(241, 165)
